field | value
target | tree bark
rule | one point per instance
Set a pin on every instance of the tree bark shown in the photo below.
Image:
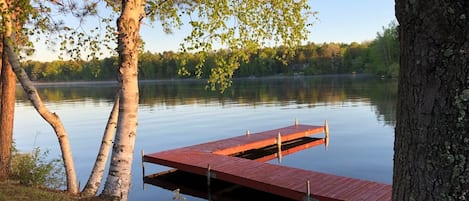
(7, 111)
(52, 118)
(119, 178)
(431, 150)
(97, 173)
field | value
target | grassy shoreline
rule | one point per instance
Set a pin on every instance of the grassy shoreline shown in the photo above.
(13, 191)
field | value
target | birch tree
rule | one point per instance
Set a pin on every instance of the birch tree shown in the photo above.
(94, 181)
(19, 20)
(52, 118)
(239, 26)
(120, 170)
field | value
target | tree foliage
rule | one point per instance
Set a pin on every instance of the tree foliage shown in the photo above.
(235, 28)
(379, 56)
(384, 51)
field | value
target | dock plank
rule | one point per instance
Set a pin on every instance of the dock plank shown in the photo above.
(247, 142)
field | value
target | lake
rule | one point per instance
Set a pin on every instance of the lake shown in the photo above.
(176, 113)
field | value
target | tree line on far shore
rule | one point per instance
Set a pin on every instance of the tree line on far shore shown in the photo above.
(379, 56)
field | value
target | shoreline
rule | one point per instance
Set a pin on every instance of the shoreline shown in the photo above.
(114, 82)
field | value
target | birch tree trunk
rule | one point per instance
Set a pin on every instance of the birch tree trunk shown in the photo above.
(119, 178)
(431, 148)
(97, 173)
(52, 118)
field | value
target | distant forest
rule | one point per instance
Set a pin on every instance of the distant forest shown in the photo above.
(379, 56)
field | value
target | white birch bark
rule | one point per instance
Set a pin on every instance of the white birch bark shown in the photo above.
(51, 118)
(119, 178)
(96, 176)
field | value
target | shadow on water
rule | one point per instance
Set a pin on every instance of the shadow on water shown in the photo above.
(196, 185)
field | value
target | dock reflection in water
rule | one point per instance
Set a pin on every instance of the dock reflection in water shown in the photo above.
(196, 185)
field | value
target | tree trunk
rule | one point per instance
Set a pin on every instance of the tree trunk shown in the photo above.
(52, 118)
(119, 178)
(431, 150)
(7, 111)
(97, 173)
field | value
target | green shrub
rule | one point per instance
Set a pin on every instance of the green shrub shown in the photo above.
(33, 169)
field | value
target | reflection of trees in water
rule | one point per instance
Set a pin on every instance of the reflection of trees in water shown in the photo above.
(384, 97)
(307, 91)
(69, 92)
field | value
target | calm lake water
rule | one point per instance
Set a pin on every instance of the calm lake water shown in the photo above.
(360, 111)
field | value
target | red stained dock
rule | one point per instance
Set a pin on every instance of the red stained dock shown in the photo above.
(215, 160)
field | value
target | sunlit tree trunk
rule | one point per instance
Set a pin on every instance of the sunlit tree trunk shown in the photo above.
(431, 150)
(6, 97)
(97, 173)
(119, 178)
(7, 111)
(52, 118)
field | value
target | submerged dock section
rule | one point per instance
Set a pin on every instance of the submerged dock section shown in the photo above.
(235, 160)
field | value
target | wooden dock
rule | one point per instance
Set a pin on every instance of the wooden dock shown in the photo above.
(196, 185)
(216, 160)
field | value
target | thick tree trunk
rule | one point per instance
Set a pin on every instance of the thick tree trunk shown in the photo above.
(52, 118)
(97, 173)
(119, 178)
(7, 111)
(431, 160)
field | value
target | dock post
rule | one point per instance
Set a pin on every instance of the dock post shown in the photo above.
(279, 147)
(308, 191)
(326, 132)
(143, 169)
(248, 133)
(208, 175)
(296, 122)
(209, 194)
(143, 166)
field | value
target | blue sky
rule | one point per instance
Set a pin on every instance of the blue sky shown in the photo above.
(350, 20)
(339, 21)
